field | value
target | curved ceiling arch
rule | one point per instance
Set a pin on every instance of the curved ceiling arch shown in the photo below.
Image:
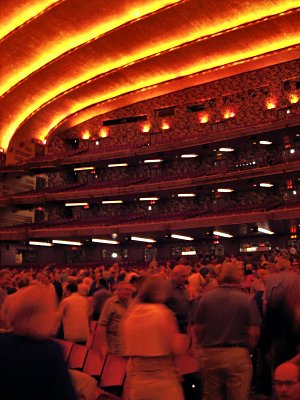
(155, 50)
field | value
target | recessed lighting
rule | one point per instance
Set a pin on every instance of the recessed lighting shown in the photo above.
(117, 165)
(193, 155)
(154, 160)
(265, 142)
(71, 243)
(83, 168)
(292, 151)
(226, 149)
(149, 198)
(181, 237)
(112, 202)
(222, 234)
(105, 241)
(141, 239)
(76, 204)
(188, 253)
(45, 244)
(186, 195)
(266, 184)
(114, 255)
(262, 230)
(225, 190)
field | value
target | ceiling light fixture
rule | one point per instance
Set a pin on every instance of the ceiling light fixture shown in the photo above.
(263, 230)
(76, 204)
(186, 195)
(68, 242)
(222, 234)
(112, 201)
(225, 190)
(45, 244)
(155, 160)
(226, 149)
(105, 241)
(141, 239)
(83, 168)
(149, 198)
(117, 165)
(266, 184)
(181, 237)
(265, 142)
(192, 155)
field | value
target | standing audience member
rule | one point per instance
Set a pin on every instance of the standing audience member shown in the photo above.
(74, 311)
(151, 338)
(178, 298)
(112, 313)
(99, 297)
(32, 366)
(226, 327)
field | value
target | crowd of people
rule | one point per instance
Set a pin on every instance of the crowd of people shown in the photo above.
(238, 318)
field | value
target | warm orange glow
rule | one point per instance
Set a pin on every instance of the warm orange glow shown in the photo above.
(203, 119)
(103, 132)
(270, 104)
(294, 98)
(165, 125)
(22, 13)
(228, 114)
(86, 135)
(146, 128)
(72, 39)
(205, 63)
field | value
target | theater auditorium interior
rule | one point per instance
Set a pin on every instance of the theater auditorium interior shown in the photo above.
(136, 132)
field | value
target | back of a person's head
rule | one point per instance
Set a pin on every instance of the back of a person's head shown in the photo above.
(32, 311)
(72, 287)
(153, 290)
(230, 273)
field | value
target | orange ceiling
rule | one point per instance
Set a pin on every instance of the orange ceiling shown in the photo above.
(63, 62)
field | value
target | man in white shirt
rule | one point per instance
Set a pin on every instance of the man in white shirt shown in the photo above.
(74, 311)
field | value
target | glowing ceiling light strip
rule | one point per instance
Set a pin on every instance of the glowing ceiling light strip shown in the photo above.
(141, 239)
(186, 195)
(225, 190)
(117, 165)
(23, 13)
(226, 149)
(149, 198)
(188, 253)
(105, 241)
(266, 184)
(76, 204)
(266, 142)
(112, 201)
(71, 243)
(222, 234)
(67, 43)
(155, 160)
(263, 230)
(83, 168)
(44, 244)
(181, 237)
(189, 155)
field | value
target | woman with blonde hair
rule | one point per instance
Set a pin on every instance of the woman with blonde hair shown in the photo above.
(151, 338)
(32, 366)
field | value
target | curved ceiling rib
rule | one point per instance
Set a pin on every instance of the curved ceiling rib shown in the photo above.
(15, 13)
(233, 46)
(79, 53)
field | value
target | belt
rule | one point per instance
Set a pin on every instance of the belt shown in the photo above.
(224, 345)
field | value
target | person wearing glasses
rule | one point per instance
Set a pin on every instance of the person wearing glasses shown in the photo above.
(286, 382)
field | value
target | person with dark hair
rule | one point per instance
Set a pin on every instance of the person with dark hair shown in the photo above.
(99, 298)
(151, 338)
(74, 311)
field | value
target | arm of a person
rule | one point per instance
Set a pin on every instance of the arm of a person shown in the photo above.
(253, 336)
(102, 325)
